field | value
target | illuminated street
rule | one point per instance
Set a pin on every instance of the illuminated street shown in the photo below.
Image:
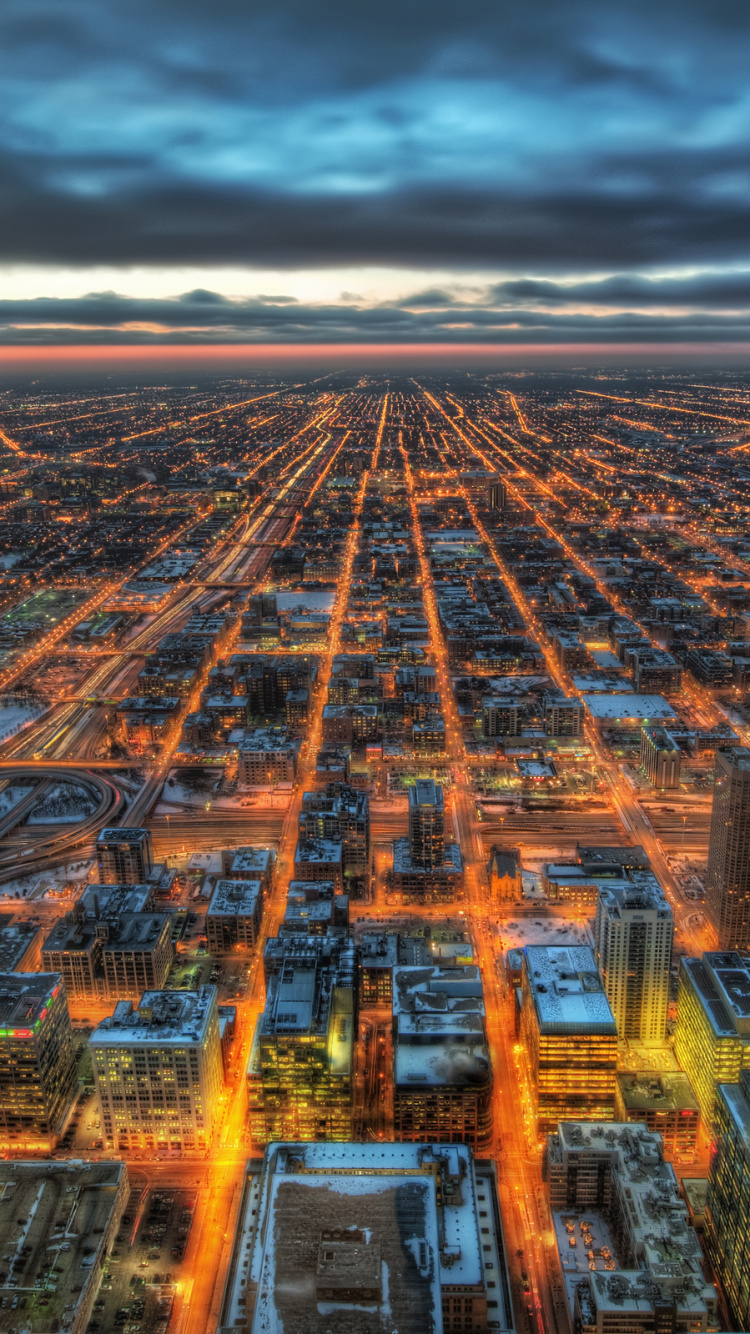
(232, 600)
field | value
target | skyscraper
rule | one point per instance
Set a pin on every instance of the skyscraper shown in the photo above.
(728, 875)
(37, 1060)
(633, 947)
(124, 856)
(728, 1202)
(426, 824)
(570, 1035)
(158, 1070)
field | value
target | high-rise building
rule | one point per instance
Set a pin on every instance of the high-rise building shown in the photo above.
(631, 1261)
(124, 856)
(661, 757)
(426, 824)
(712, 1037)
(158, 1071)
(372, 1237)
(425, 867)
(633, 948)
(37, 1060)
(728, 873)
(728, 1201)
(340, 813)
(442, 1075)
(301, 1069)
(570, 1034)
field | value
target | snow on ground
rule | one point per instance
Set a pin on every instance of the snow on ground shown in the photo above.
(65, 804)
(15, 715)
(10, 797)
(49, 883)
(544, 931)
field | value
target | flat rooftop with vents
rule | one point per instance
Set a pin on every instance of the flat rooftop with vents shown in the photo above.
(58, 1221)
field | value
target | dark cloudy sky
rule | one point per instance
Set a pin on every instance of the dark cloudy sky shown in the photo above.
(388, 171)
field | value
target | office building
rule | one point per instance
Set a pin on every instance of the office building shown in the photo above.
(313, 908)
(343, 814)
(661, 757)
(320, 859)
(562, 717)
(137, 954)
(124, 856)
(712, 1036)
(301, 1068)
(56, 1237)
(158, 1071)
(570, 1034)
(37, 1060)
(249, 863)
(633, 949)
(233, 916)
(20, 946)
(110, 944)
(631, 1262)
(728, 872)
(266, 756)
(378, 956)
(666, 1103)
(426, 823)
(374, 1237)
(728, 1200)
(442, 1075)
(425, 866)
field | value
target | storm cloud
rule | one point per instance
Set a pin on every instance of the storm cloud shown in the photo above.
(588, 155)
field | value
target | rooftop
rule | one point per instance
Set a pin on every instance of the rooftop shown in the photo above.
(645, 1091)
(24, 999)
(567, 990)
(234, 898)
(628, 708)
(338, 1236)
(54, 1214)
(721, 980)
(162, 1016)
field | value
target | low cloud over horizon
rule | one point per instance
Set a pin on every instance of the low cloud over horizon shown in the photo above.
(576, 172)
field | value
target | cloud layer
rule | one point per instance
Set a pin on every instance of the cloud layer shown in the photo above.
(521, 311)
(557, 137)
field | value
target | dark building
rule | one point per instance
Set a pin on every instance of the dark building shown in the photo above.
(124, 856)
(728, 1202)
(728, 875)
(426, 823)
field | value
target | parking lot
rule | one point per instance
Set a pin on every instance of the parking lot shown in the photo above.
(140, 1277)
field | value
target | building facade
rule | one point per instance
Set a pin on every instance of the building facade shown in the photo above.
(728, 872)
(633, 948)
(712, 1036)
(728, 1201)
(158, 1071)
(124, 856)
(37, 1060)
(570, 1035)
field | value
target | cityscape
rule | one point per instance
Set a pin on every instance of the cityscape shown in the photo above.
(375, 853)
